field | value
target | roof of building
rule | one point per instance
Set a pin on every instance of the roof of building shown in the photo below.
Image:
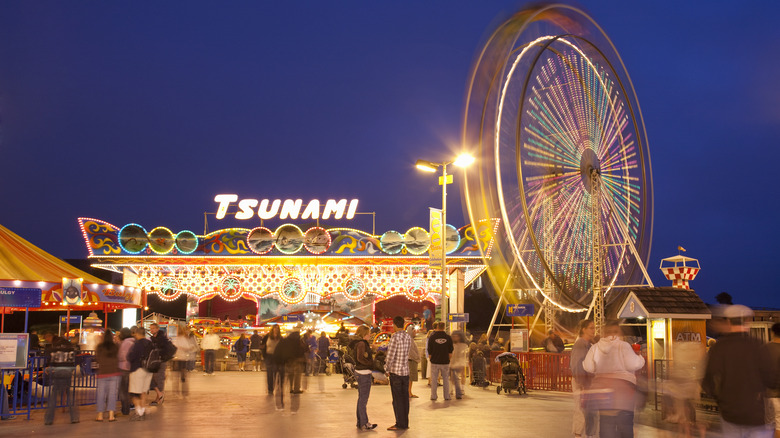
(663, 301)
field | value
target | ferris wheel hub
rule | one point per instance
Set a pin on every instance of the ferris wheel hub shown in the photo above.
(589, 162)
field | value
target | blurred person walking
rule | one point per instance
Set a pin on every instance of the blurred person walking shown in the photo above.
(256, 349)
(364, 360)
(584, 420)
(773, 394)
(614, 364)
(273, 366)
(210, 345)
(184, 360)
(167, 351)
(738, 374)
(61, 360)
(440, 349)
(140, 377)
(458, 362)
(414, 359)
(397, 367)
(323, 351)
(311, 352)
(108, 375)
(241, 347)
(126, 335)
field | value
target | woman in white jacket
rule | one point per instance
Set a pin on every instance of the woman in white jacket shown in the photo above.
(613, 363)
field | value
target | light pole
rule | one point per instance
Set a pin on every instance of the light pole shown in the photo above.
(462, 160)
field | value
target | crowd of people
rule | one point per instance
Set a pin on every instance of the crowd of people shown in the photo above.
(739, 372)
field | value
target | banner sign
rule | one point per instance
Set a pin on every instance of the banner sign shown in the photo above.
(519, 310)
(20, 297)
(293, 318)
(437, 239)
(458, 317)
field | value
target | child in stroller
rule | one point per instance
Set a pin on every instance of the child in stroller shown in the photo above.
(479, 370)
(512, 377)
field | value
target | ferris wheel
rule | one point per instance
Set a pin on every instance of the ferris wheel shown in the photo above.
(564, 160)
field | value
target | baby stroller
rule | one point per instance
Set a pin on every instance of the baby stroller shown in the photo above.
(479, 371)
(347, 363)
(512, 377)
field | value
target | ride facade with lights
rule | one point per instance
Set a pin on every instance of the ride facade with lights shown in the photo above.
(296, 267)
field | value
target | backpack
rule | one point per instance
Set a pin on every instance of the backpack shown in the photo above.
(153, 361)
(168, 350)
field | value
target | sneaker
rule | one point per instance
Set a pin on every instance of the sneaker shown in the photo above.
(137, 417)
(9, 417)
(368, 426)
(154, 403)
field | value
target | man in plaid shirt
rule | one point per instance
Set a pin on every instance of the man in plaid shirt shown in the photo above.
(397, 366)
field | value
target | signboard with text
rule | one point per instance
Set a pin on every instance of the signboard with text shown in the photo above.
(74, 319)
(292, 318)
(437, 239)
(13, 350)
(518, 340)
(520, 310)
(20, 297)
(458, 317)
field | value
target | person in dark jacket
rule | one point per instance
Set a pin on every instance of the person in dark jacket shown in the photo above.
(140, 379)
(440, 349)
(738, 374)
(256, 349)
(241, 347)
(291, 352)
(323, 350)
(61, 360)
(160, 340)
(274, 371)
(364, 363)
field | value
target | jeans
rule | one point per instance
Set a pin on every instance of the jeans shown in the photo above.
(158, 378)
(124, 396)
(61, 384)
(456, 375)
(731, 430)
(294, 370)
(271, 371)
(442, 370)
(364, 390)
(107, 389)
(210, 356)
(399, 388)
(617, 426)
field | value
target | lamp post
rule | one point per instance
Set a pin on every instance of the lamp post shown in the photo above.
(462, 160)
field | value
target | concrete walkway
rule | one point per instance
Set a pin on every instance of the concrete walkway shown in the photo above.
(235, 404)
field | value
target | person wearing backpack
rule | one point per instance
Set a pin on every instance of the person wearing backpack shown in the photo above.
(142, 356)
(167, 350)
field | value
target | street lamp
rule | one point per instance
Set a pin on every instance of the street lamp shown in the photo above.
(462, 160)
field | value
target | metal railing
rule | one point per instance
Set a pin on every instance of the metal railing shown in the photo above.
(30, 388)
(542, 371)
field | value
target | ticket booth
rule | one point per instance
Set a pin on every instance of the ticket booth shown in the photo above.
(670, 316)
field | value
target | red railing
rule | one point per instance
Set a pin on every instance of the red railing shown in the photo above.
(543, 371)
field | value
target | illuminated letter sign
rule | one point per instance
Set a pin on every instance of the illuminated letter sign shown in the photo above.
(289, 208)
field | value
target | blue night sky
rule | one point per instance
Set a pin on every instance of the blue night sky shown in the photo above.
(143, 111)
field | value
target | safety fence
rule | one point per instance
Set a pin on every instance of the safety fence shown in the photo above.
(30, 388)
(542, 371)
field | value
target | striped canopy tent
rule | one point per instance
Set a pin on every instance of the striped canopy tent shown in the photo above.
(24, 265)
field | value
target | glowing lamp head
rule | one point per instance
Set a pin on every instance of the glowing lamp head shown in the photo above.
(426, 166)
(463, 160)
